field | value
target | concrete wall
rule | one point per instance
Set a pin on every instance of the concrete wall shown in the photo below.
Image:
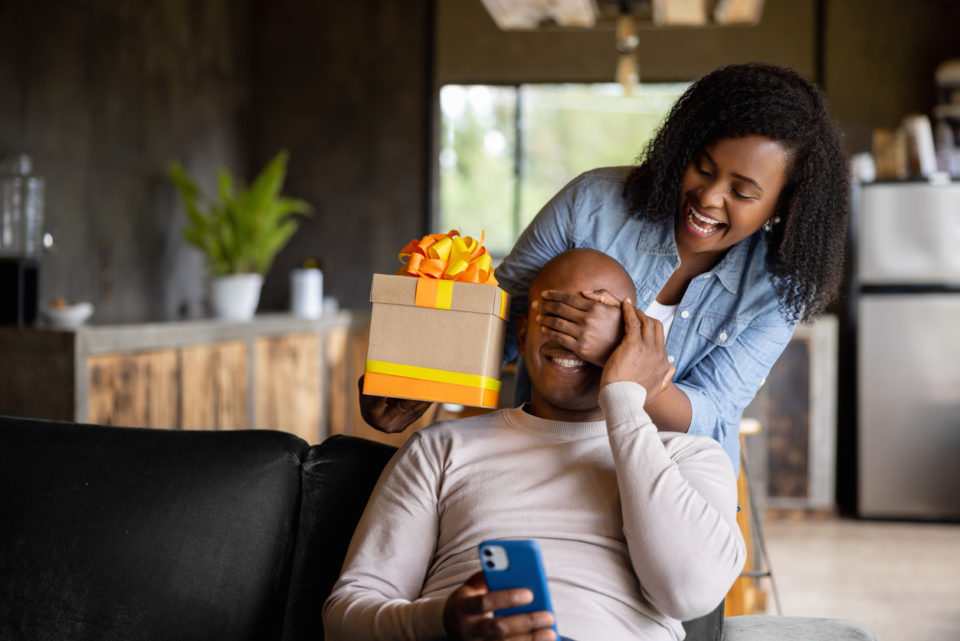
(345, 87)
(103, 95)
(880, 57)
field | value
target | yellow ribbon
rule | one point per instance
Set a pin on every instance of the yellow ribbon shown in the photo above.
(449, 257)
(436, 375)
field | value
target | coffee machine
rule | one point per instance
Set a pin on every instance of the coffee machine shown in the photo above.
(21, 239)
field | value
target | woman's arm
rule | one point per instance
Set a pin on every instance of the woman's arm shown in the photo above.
(722, 383)
(709, 397)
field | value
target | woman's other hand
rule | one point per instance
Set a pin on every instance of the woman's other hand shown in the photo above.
(388, 414)
(641, 356)
(468, 614)
(588, 324)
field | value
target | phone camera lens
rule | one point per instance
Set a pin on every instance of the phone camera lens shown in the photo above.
(490, 564)
(487, 552)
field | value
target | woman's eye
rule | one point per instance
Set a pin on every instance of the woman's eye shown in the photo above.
(742, 196)
(701, 170)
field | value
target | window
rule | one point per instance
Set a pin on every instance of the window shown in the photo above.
(506, 150)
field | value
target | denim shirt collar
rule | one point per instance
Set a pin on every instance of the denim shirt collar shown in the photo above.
(660, 240)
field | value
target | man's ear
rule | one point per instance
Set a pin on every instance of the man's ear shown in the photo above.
(521, 332)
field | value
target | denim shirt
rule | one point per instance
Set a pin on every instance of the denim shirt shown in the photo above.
(728, 330)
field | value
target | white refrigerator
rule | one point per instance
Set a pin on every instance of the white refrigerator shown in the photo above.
(907, 280)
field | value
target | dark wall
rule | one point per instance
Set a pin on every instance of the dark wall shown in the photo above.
(344, 86)
(877, 57)
(470, 47)
(880, 57)
(103, 95)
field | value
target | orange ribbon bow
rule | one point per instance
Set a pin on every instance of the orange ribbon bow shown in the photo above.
(448, 256)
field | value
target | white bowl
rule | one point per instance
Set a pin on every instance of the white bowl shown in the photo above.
(68, 317)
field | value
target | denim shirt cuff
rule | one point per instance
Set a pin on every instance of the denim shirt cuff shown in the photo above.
(703, 414)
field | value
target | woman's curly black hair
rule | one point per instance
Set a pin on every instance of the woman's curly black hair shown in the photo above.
(805, 254)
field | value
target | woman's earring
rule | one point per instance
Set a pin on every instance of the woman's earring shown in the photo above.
(768, 226)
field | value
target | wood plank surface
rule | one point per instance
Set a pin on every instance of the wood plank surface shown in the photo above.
(136, 389)
(287, 385)
(338, 387)
(215, 387)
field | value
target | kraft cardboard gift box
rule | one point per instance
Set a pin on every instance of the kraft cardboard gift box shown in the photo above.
(436, 340)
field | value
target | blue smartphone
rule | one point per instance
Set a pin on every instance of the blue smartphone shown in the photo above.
(517, 564)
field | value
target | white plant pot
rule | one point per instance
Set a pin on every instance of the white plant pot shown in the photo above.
(235, 296)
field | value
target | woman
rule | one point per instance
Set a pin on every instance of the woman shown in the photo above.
(733, 228)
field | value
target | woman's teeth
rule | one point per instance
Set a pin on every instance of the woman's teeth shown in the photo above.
(701, 223)
(567, 362)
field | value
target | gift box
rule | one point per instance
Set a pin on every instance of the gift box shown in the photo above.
(435, 338)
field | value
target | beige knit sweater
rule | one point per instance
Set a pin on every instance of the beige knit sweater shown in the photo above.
(637, 528)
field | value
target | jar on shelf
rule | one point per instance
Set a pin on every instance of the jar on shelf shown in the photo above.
(21, 207)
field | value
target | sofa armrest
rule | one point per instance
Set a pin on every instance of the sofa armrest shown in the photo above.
(779, 628)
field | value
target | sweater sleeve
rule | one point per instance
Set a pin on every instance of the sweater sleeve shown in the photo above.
(377, 594)
(679, 509)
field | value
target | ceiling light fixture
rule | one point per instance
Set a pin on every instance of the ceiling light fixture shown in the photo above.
(628, 64)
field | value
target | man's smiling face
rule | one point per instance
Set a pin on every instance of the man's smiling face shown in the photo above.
(565, 387)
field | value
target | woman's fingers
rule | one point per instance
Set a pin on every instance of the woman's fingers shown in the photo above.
(575, 301)
(564, 340)
(602, 296)
(559, 324)
(631, 319)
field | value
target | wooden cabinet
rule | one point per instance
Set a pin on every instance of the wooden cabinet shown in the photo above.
(139, 389)
(214, 386)
(287, 391)
(271, 373)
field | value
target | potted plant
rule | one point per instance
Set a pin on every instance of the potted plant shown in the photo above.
(239, 232)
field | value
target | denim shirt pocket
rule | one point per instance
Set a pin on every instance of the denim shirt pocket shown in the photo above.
(720, 330)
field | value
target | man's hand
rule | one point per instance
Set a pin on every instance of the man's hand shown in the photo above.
(588, 324)
(468, 614)
(641, 356)
(389, 414)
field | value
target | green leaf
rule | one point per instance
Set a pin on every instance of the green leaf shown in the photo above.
(244, 228)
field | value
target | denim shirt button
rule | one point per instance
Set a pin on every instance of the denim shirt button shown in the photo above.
(723, 336)
(684, 314)
(670, 359)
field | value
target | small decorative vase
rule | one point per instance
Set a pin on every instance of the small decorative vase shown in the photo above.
(235, 296)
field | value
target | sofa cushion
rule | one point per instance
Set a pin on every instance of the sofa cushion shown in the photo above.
(338, 477)
(755, 627)
(124, 533)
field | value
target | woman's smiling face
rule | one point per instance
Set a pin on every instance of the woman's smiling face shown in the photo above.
(729, 190)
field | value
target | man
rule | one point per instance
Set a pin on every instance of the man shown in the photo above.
(637, 528)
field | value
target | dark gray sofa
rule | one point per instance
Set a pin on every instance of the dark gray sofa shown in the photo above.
(127, 534)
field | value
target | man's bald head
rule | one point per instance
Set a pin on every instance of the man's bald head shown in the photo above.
(583, 270)
(564, 386)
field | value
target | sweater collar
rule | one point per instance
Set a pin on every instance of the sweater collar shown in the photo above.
(522, 420)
